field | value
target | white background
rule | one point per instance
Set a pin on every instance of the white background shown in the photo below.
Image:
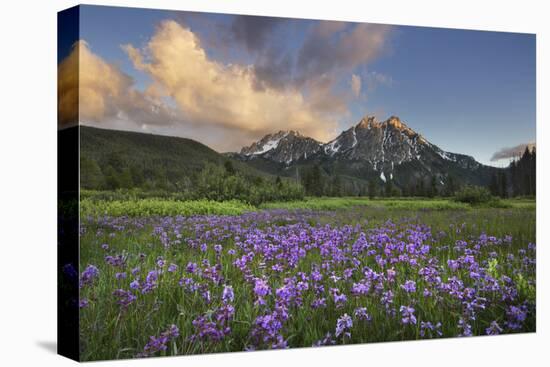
(28, 181)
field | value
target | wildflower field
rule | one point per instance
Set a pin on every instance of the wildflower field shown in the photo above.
(153, 285)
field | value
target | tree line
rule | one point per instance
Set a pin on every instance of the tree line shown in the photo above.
(214, 182)
(519, 179)
(224, 182)
(316, 182)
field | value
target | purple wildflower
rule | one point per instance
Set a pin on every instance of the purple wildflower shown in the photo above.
(465, 326)
(261, 289)
(125, 298)
(339, 298)
(88, 275)
(172, 268)
(427, 329)
(407, 315)
(191, 268)
(228, 295)
(157, 344)
(327, 340)
(343, 326)
(360, 313)
(135, 284)
(493, 329)
(409, 286)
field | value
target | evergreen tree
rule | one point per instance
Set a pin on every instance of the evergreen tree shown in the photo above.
(515, 180)
(125, 179)
(533, 170)
(91, 176)
(317, 181)
(137, 176)
(278, 182)
(115, 160)
(523, 174)
(405, 191)
(388, 188)
(313, 181)
(450, 186)
(494, 186)
(503, 183)
(420, 187)
(229, 169)
(111, 178)
(372, 189)
(433, 187)
(160, 178)
(412, 188)
(305, 177)
(337, 186)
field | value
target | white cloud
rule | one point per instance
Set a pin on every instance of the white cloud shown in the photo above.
(209, 92)
(95, 92)
(221, 105)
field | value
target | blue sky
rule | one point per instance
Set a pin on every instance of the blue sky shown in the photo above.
(471, 92)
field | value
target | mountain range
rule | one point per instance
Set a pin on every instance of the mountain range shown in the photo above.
(371, 149)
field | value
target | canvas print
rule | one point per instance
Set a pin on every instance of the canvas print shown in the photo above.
(237, 183)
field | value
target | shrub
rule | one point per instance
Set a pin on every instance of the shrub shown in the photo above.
(473, 195)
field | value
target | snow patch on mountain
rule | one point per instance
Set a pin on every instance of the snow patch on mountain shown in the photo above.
(269, 145)
(446, 155)
(333, 147)
(354, 137)
(385, 146)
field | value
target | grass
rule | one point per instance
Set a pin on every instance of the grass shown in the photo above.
(109, 331)
(161, 207)
(329, 203)
(95, 205)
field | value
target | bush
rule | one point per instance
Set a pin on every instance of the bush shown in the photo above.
(474, 195)
(222, 184)
(161, 207)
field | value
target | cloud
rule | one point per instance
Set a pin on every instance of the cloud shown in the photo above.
(253, 31)
(336, 46)
(273, 69)
(264, 38)
(94, 91)
(323, 97)
(512, 152)
(222, 104)
(329, 47)
(67, 90)
(211, 93)
(329, 52)
(321, 55)
(356, 85)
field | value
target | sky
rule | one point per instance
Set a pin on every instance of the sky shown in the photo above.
(227, 80)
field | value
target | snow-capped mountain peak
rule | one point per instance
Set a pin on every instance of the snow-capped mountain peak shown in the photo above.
(384, 147)
(283, 147)
(268, 142)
